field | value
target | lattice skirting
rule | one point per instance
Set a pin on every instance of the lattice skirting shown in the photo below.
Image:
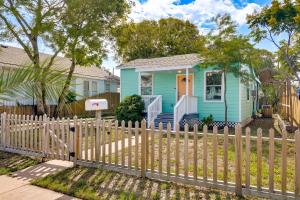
(192, 122)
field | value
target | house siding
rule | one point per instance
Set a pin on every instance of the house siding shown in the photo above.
(246, 105)
(167, 88)
(217, 109)
(129, 82)
(164, 83)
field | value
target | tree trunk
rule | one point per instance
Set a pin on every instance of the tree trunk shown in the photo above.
(225, 98)
(61, 99)
(40, 99)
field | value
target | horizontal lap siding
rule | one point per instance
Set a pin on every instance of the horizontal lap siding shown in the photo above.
(129, 82)
(246, 106)
(217, 108)
(165, 84)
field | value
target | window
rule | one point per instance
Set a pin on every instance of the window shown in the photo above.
(107, 86)
(248, 93)
(94, 88)
(146, 84)
(213, 81)
(86, 88)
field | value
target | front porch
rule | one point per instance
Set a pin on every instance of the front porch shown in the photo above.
(160, 104)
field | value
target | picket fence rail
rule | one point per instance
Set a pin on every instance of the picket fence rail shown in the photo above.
(236, 162)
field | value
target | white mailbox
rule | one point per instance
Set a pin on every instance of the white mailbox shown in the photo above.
(96, 104)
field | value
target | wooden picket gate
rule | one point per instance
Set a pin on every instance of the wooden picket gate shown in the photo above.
(257, 164)
(37, 136)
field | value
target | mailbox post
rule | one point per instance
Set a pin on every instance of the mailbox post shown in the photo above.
(96, 105)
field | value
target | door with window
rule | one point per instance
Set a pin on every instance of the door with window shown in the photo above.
(181, 85)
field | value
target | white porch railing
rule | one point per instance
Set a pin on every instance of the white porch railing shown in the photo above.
(148, 99)
(186, 105)
(154, 109)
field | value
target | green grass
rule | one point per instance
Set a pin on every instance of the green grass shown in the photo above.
(265, 124)
(91, 183)
(10, 162)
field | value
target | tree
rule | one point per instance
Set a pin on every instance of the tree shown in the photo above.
(20, 83)
(149, 39)
(85, 26)
(226, 51)
(30, 24)
(282, 18)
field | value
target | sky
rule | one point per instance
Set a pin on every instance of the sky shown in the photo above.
(197, 11)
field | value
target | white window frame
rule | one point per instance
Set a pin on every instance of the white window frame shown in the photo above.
(107, 83)
(140, 81)
(97, 88)
(89, 89)
(222, 88)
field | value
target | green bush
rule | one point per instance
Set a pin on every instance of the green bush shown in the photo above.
(208, 120)
(131, 108)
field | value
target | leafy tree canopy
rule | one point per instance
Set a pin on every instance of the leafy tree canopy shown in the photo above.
(226, 50)
(149, 39)
(282, 18)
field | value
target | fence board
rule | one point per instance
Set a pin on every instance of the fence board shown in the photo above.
(116, 141)
(177, 158)
(168, 149)
(129, 143)
(186, 147)
(136, 154)
(283, 161)
(238, 160)
(271, 160)
(152, 146)
(215, 153)
(259, 159)
(195, 149)
(225, 149)
(205, 153)
(248, 157)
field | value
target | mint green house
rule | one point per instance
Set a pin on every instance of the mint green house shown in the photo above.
(176, 89)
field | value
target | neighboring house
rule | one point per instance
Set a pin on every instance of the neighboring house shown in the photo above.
(162, 84)
(87, 81)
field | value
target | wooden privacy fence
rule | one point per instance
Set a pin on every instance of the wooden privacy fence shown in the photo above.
(248, 162)
(76, 108)
(290, 104)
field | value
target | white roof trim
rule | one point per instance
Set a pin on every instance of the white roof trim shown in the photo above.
(151, 69)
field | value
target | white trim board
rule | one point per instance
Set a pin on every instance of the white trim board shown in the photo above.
(204, 88)
(153, 69)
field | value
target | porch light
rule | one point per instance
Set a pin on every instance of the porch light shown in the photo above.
(179, 71)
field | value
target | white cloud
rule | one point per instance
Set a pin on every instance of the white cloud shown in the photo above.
(199, 12)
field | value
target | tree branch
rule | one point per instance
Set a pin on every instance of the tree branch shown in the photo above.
(15, 34)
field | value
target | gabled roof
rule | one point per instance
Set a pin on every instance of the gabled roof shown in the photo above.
(12, 57)
(187, 60)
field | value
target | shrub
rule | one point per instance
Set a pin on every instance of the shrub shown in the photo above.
(208, 120)
(131, 108)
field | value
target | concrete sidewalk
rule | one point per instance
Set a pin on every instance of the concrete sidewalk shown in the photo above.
(18, 186)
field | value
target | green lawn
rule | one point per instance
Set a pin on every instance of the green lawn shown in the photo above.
(10, 162)
(90, 183)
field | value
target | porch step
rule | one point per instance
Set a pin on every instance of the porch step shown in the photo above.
(164, 118)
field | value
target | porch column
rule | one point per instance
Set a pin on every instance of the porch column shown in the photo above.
(186, 81)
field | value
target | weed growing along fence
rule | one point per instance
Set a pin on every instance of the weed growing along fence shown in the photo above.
(242, 163)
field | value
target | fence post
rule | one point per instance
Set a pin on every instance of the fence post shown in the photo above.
(143, 149)
(238, 160)
(3, 129)
(75, 142)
